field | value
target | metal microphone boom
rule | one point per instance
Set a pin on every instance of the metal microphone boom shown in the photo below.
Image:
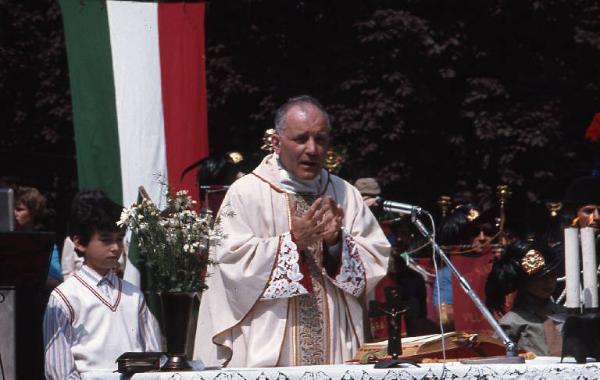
(511, 348)
(401, 208)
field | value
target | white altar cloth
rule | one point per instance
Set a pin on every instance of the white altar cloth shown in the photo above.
(546, 368)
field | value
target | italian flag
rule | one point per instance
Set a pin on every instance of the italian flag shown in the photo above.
(137, 75)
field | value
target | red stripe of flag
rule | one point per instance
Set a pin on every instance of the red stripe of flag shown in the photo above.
(183, 75)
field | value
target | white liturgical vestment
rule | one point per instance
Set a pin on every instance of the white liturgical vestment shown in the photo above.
(268, 304)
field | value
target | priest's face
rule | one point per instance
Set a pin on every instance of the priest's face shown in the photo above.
(302, 145)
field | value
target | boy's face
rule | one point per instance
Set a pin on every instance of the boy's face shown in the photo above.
(102, 251)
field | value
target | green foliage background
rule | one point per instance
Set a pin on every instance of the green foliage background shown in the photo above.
(430, 97)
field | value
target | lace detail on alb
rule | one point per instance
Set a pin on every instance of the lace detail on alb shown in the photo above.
(285, 279)
(351, 278)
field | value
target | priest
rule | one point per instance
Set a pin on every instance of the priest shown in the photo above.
(301, 248)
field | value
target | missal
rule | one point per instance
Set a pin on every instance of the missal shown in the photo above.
(459, 345)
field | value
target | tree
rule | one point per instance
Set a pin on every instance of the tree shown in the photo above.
(425, 96)
(36, 146)
(429, 97)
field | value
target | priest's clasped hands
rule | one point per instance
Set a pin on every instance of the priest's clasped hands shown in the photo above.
(322, 221)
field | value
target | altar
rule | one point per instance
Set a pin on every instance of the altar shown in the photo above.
(539, 368)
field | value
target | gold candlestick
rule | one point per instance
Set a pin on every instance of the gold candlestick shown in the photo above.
(503, 192)
(553, 208)
(267, 140)
(334, 160)
(443, 203)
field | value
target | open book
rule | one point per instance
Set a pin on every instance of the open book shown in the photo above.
(459, 345)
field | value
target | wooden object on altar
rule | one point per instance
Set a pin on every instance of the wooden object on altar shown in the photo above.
(135, 362)
(459, 345)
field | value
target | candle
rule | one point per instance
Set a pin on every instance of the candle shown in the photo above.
(590, 267)
(572, 268)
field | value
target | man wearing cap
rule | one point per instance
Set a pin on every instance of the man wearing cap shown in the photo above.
(582, 200)
(301, 247)
(369, 189)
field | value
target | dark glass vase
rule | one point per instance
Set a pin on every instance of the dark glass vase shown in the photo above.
(176, 311)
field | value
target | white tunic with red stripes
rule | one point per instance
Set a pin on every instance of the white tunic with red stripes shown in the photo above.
(91, 320)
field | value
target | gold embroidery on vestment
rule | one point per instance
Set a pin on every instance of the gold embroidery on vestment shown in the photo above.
(311, 334)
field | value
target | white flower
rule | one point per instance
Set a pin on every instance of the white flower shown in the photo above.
(125, 217)
(170, 238)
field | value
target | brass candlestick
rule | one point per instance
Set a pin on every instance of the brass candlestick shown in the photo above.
(235, 157)
(503, 192)
(553, 208)
(443, 203)
(334, 160)
(267, 140)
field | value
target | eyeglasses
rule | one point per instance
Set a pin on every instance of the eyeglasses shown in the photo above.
(487, 231)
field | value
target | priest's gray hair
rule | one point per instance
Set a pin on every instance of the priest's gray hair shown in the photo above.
(299, 101)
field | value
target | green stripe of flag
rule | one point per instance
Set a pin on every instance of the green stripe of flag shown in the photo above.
(93, 96)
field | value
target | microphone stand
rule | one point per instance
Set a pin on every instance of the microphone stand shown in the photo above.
(512, 356)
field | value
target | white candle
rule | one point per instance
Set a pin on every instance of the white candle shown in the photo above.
(590, 267)
(572, 268)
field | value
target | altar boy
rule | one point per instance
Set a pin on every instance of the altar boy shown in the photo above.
(94, 316)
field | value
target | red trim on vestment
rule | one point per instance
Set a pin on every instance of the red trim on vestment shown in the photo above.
(306, 280)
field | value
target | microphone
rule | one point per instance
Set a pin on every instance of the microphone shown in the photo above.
(401, 208)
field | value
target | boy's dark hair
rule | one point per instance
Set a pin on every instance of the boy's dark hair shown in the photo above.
(93, 211)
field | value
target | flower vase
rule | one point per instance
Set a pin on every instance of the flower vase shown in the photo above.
(176, 309)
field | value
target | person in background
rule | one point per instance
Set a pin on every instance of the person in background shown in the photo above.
(582, 202)
(580, 209)
(376, 329)
(369, 189)
(530, 269)
(69, 260)
(214, 176)
(94, 316)
(466, 232)
(453, 235)
(30, 214)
